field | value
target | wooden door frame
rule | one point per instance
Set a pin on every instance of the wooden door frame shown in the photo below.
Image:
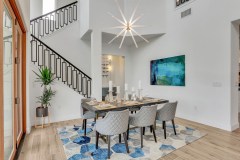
(18, 32)
(24, 60)
(14, 9)
(1, 84)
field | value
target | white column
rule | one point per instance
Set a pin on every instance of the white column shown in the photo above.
(96, 63)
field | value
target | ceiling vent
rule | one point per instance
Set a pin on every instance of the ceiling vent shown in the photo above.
(186, 13)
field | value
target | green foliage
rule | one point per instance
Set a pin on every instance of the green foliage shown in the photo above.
(46, 97)
(45, 76)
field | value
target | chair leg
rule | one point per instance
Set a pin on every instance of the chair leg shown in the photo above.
(155, 124)
(151, 129)
(85, 127)
(126, 143)
(94, 119)
(120, 138)
(174, 127)
(83, 124)
(143, 130)
(154, 134)
(109, 139)
(164, 126)
(131, 112)
(141, 133)
(97, 137)
(128, 132)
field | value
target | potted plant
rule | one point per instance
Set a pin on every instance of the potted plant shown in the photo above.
(45, 77)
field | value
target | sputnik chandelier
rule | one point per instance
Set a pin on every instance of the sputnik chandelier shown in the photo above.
(127, 26)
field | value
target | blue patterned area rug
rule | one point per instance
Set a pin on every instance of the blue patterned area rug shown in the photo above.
(79, 147)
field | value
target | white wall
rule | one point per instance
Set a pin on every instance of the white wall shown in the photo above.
(99, 17)
(204, 37)
(36, 8)
(61, 3)
(67, 43)
(48, 6)
(153, 15)
(83, 15)
(24, 9)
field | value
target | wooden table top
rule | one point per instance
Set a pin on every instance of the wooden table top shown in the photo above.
(101, 107)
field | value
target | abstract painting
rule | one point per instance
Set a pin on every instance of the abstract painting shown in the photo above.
(168, 71)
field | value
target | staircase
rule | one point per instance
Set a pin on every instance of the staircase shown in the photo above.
(44, 56)
(49, 23)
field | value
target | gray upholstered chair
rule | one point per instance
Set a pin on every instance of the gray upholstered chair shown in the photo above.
(167, 113)
(145, 117)
(86, 114)
(114, 123)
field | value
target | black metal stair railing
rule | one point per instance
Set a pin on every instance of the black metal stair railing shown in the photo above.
(53, 21)
(44, 56)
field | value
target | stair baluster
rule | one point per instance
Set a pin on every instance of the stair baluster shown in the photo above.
(44, 56)
(53, 21)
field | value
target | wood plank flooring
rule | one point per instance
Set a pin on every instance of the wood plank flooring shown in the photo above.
(43, 144)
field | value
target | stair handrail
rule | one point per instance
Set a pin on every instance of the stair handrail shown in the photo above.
(53, 11)
(61, 56)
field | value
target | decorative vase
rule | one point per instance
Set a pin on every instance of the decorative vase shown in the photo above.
(41, 111)
(118, 98)
(110, 96)
(140, 97)
(133, 98)
(126, 96)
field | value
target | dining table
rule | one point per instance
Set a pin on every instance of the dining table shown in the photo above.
(104, 107)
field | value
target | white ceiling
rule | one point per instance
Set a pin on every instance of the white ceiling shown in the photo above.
(106, 37)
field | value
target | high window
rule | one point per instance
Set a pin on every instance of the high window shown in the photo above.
(48, 6)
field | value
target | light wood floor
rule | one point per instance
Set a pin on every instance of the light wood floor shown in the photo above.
(43, 144)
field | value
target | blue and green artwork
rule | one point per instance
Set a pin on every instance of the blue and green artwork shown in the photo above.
(168, 71)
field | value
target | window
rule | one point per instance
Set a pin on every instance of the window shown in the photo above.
(48, 6)
(180, 2)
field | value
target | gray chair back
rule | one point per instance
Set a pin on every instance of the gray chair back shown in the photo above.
(145, 117)
(83, 101)
(114, 123)
(167, 112)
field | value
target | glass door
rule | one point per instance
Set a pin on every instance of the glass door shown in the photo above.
(8, 84)
(18, 82)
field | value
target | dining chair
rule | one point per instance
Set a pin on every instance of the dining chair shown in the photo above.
(145, 117)
(114, 123)
(167, 113)
(86, 114)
